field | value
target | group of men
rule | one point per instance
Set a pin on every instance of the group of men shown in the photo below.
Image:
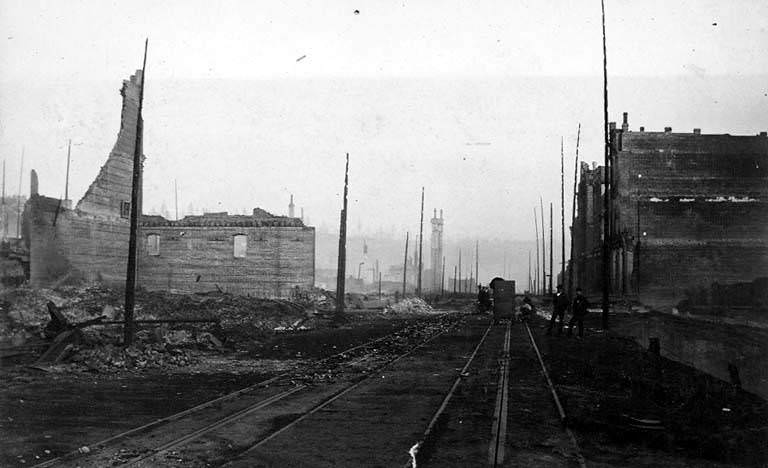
(560, 304)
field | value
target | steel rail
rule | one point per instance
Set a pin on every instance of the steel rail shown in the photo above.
(338, 395)
(580, 458)
(176, 416)
(499, 428)
(413, 452)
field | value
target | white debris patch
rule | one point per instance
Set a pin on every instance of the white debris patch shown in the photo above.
(413, 305)
(732, 199)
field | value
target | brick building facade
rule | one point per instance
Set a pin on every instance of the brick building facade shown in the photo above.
(260, 254)
(687, 210)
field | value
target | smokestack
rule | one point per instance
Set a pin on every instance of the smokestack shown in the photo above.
(290, 208)
(625, 124)
(441, 210)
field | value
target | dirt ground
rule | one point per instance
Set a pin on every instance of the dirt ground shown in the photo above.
(626, 406)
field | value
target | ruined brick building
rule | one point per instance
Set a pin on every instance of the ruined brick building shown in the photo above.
(687, 210)
(260, 254)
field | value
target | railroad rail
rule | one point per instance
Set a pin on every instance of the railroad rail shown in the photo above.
(239, 414)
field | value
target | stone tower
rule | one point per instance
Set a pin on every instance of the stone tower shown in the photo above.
(437, 250)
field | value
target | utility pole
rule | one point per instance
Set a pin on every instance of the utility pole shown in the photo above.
(454, 279)
(606, 183)
(529, 271)
(342, 265)
(543, 249)
(460, 285)
(551, 250)
(405, 263)
(176, 198)
(562, 212)
(421, 244)
(66, 183)
(130, 281)
(18, 205)
(573, 213)
(5, 215)
(442, 279)
(477, 262)
(379, 285)
(536, 276)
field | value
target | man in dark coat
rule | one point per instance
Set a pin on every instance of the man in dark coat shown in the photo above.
(560, 304)
(578, 311)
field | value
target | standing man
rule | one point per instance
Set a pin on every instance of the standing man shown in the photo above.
(578, 311)
(559, 306)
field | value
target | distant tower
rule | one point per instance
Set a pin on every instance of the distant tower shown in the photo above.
(291, 207)
(437, 249)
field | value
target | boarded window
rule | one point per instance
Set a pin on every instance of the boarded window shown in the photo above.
(125, 209)
(153, 244)
(241, 245)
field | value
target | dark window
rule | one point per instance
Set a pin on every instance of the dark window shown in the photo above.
(125, 209)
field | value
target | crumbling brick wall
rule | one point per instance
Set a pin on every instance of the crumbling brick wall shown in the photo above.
(279, 256)
(90, 243)
(687, 210)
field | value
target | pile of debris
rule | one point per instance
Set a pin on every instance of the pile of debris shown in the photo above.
(111, 358)
(412, 305)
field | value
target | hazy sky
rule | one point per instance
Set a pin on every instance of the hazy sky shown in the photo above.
(468, 99)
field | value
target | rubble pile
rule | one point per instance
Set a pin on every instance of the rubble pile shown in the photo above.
(111, 358)
(413, 305)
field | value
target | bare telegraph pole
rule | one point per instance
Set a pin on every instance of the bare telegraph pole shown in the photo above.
(606, 182)
(460, 286)
(421, 244)
(477, 262)
(66, 180)
(5, 215)
(573, 213)
(454, 279)
(543, 249)
(405, 263)
(442, 279)
(130, 281)
(18, 205)
(176, 198)
(342, 264)
(562, 212)
(536, 276)
(551, 250)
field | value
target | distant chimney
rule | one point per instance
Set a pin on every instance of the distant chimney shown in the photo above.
(667, 129)
(642, 129)
(697, 131)
(434, 215)
(441, 210)
(290, 208)
(302, 214)
(32, 182)
(625, 124)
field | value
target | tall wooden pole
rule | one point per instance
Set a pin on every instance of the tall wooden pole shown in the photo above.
(551, 250)
(405, 263)
(66, 182)
(573, 214)
(379, 285)
(421, 244)
(543, 249)
(342, 264)
(477, 262)
(562, 212)
(455, 272)
(130, 281)
(606, 182)
(18, 204)
(5, 214)
(537, 283)
(442, 279)
(460, 284)
(529, 271)
(176, 198)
